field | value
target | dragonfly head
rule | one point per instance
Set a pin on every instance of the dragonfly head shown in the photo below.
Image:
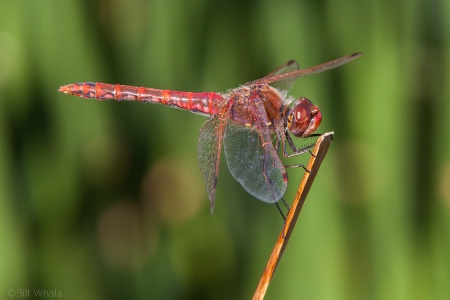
(303, 118)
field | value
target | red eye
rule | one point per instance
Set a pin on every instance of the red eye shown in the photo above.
(304, 118)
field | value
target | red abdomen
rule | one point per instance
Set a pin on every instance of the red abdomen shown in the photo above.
(206, 103)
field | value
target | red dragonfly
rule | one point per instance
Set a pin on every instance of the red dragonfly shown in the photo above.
(252, 123)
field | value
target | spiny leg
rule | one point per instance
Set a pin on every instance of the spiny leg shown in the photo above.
(296, 151)
(281, 212)
(298, 166)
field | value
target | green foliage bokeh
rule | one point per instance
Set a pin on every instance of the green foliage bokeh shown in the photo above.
(104, 200)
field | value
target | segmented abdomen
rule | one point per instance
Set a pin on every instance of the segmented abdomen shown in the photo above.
(206, 102)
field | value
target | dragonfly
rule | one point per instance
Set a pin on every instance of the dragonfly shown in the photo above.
(254, 124)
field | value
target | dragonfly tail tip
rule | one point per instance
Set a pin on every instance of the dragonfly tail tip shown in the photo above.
(66, 89)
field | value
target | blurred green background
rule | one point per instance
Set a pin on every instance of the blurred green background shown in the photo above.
(104, 200)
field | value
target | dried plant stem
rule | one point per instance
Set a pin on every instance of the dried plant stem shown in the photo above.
(319, 152)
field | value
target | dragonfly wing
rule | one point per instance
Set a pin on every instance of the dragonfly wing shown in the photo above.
(208, 151)
(253, 160)
(282, 86)
(288, 67)
(291, 76)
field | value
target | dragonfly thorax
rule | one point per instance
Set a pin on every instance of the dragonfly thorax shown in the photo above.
(249, 105)
(303, 118)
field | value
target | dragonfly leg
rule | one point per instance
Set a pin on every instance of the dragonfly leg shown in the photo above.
(296, 151)
(313, 135)
(281, 211)
(277, 145)
(298, 166)
(282, 214)
(285, 205)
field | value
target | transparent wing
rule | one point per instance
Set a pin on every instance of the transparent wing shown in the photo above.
(282, 86)
(208, 152)
(288, 67)
(252, 159)
(288, 78)
(284, 76)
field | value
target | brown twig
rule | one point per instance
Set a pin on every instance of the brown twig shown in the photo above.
(319, 152)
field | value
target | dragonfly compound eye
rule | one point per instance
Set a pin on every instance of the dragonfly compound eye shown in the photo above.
(304, 118)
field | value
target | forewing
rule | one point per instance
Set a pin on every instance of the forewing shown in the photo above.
(291, 76)
(253, 160)
(282, 86)
(288, 67)
(208, 151)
